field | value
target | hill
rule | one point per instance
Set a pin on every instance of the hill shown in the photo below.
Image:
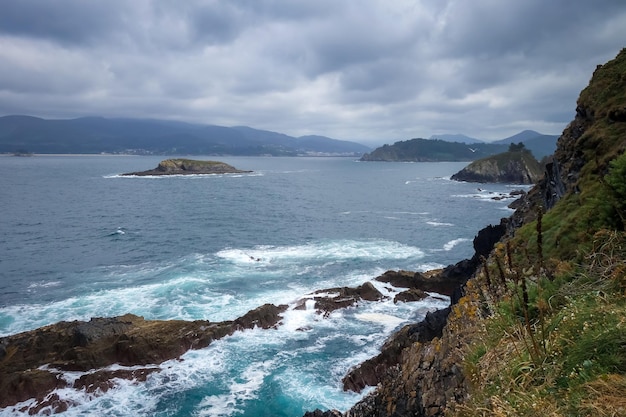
(516, 166)
(427, 150)
(138, 136)
(460, 148)
(457, 138)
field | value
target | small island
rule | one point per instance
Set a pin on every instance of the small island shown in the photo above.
(188, 167)
(517, 166)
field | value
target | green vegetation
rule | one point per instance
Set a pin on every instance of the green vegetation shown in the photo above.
(428, 150)
(555, 342)
(552, 340)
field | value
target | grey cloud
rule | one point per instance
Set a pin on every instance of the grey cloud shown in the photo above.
(64, 21)
(370, 69)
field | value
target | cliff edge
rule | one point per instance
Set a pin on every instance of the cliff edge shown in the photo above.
(540, 327)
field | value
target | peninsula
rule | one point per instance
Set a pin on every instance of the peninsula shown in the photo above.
(188, 167)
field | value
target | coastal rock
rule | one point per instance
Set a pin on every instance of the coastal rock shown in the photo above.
(374, 370)
(33, 360)
(265, 317)
(188, 167)
(412, 294)
(329, 300)
(320, 413)
(444, 282)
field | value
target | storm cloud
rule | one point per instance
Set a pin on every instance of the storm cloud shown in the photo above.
(373, 71)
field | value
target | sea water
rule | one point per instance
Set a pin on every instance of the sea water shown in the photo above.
(78, 240)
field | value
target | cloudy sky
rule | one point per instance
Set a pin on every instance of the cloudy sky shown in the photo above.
(373, 71)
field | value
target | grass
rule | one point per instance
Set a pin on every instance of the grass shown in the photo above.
(553, 353)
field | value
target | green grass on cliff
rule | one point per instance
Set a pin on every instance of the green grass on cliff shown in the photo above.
(553, 340)
(557, 347)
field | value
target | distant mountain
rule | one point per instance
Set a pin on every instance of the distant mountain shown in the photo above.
(147, 136)
(427, 150)
(313, 143)
(457, 138)
(522, 136)
(539, 144)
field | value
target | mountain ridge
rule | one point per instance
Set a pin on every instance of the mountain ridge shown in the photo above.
(23, 133)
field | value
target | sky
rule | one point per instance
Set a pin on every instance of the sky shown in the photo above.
(370, 71)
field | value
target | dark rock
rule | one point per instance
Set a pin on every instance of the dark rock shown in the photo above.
(412, 294)
(266, 316)
(431, 327)
(103, 380)
(484, 241)
(26, 384)
(373, 370)
(320, 413)
(439, 282)
(342, 297)
(98, 328)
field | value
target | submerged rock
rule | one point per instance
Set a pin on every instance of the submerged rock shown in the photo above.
(188, 167)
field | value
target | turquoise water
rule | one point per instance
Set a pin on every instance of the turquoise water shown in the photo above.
(78, 241)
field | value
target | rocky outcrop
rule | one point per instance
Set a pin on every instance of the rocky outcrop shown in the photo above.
(331, 299)
(188, 167)
(513, 167)
(30, 362)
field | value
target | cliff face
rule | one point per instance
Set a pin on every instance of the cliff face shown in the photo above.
(518, 167)
(506, 348)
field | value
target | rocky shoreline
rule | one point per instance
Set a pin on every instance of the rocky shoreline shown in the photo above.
(32, 362)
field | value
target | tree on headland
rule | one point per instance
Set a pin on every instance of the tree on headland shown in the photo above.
(517, 147)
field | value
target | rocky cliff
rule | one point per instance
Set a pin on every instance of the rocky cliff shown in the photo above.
(539, 329)
(513, 167)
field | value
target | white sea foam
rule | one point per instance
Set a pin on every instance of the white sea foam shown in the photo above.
(323, 250)
(385, 319)
(223, 287)
(451, 244)
(434, 223)
(486, 195)
(429, 267)
(185, 176)
(44, 284)
(241, 389)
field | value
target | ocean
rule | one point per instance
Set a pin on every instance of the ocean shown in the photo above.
(77, 240)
